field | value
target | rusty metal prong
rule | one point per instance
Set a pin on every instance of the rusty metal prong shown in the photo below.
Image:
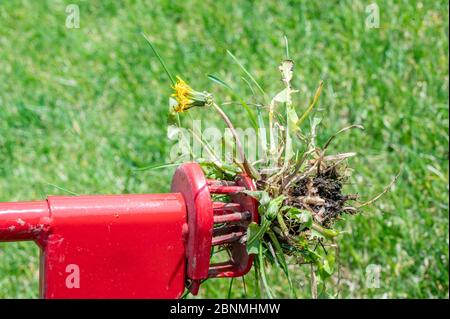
(233, 217)
(221, 189)
(221, 208)
(220, 182)
(227, 238)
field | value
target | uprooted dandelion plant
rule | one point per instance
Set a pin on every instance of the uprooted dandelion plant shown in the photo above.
(299, 183)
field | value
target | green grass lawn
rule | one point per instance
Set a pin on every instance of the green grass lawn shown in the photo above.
(82, 108)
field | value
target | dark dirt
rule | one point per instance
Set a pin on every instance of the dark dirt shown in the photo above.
(328, 187)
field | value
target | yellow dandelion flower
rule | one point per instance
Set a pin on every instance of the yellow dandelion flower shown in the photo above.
(182, 95)
(186, 97)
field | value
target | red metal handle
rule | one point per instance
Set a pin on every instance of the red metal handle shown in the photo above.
(23, 220)
(107, 246)
(136, 246)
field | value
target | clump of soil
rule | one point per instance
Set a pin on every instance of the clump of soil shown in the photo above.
(322, 196)
(318, 193)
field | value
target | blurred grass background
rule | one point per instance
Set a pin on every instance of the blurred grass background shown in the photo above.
(81, 108)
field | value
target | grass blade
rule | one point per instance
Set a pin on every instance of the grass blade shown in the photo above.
(311, 106)
(160, 59)
(249, 111)
(247, 73)
(261, 126)
(229, 288)
(263, 272)
(258, 293)
(153, 167)
(245, 286)
(286, 43)
(63, 189)
(282, 261)
(219, 81)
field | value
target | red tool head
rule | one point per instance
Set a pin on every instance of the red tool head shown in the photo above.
(215, 223)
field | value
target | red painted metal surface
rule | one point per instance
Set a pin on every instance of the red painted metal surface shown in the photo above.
(215, 223)
(136, 246)
(23, 220)
(190, 181)
(116, 246)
